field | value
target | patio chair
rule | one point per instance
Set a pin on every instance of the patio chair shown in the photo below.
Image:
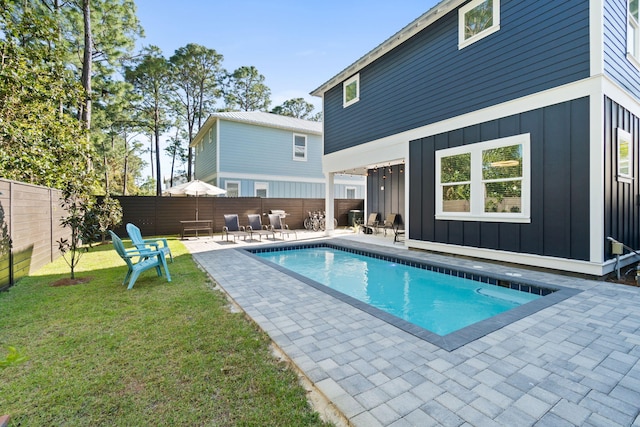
(232, 227)
(277, 227)
(372, 224)
(397, 233)
(389, 221)
(256, 227)
(157, 244)
(147, 259)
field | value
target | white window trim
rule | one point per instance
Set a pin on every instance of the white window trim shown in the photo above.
(346, 83)
(226, 187)
(346, 191)
(261, 186)
(306, 147)
(462, 43)
(477, 189)
(624, 177)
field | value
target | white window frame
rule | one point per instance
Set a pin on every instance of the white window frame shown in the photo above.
(226, 187)
(261, 186)
(355, 79)
(350, 188)
(633, 38)
(462, 42)
(306, 147)
(477, 199)
(624, 137)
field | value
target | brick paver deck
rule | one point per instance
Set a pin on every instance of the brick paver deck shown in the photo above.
(575, 363)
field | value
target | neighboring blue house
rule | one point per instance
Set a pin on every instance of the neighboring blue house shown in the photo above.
(515, 125)
(257, 154)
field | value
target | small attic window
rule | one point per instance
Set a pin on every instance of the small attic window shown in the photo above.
(351, 91)
(477, 20)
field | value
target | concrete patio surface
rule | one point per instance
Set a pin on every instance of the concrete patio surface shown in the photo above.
(575, 363)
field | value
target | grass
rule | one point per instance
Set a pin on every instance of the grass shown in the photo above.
(159, 354)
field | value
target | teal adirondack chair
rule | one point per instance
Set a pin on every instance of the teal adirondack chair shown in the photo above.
(146, 259)
(158, 244)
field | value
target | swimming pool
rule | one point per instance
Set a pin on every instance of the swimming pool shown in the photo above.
(413, 295)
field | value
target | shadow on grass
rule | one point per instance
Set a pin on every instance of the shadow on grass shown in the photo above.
(101, 265)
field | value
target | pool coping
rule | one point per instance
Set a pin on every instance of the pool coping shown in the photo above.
(449, 342)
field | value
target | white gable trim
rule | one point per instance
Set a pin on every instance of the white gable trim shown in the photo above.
(419, 24)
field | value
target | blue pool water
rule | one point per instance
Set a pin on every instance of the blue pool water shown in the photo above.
(438, 302)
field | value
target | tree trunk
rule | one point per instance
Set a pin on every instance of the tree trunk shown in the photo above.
(153, 168)
(173, 162)
(157, 138)
(126, 164)
(86, 65)
(105, 164)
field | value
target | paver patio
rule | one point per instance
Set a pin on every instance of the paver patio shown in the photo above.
(575, 363)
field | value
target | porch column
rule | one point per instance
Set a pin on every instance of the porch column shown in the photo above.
(328, 204)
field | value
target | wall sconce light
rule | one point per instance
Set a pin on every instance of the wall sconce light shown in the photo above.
(382, 188)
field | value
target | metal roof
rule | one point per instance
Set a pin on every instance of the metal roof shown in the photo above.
(271, 120)
(426, 19)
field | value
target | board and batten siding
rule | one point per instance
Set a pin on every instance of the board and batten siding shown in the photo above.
(540, 45)
(616, 64)
(622, 212)
(386, 191)
(251, 149)
(206, 166)
(559, 185)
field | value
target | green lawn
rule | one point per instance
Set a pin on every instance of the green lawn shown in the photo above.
(159, 354)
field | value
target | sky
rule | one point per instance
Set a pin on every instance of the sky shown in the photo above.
(296, 44)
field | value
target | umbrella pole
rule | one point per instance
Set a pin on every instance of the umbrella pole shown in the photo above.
(196, 207)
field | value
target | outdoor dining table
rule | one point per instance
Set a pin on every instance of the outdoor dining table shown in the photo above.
(197, 225)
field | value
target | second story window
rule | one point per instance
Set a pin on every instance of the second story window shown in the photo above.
(300, 147)
(477, 20)
(633, 31)
(351, 91)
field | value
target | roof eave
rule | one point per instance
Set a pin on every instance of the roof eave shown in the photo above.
(419, 24)
(205, 128)
(270, 125)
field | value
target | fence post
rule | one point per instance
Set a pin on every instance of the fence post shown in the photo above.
(11, 215)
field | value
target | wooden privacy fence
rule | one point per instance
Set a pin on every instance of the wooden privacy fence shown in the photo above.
(29, 229)
(30, 220)
(162, 215)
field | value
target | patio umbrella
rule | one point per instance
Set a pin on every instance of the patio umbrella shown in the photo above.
(194, 188)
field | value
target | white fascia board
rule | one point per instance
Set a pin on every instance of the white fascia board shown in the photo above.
(620, 96)
(416, 26)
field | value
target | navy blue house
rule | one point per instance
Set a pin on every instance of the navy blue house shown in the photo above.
(499, 129)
